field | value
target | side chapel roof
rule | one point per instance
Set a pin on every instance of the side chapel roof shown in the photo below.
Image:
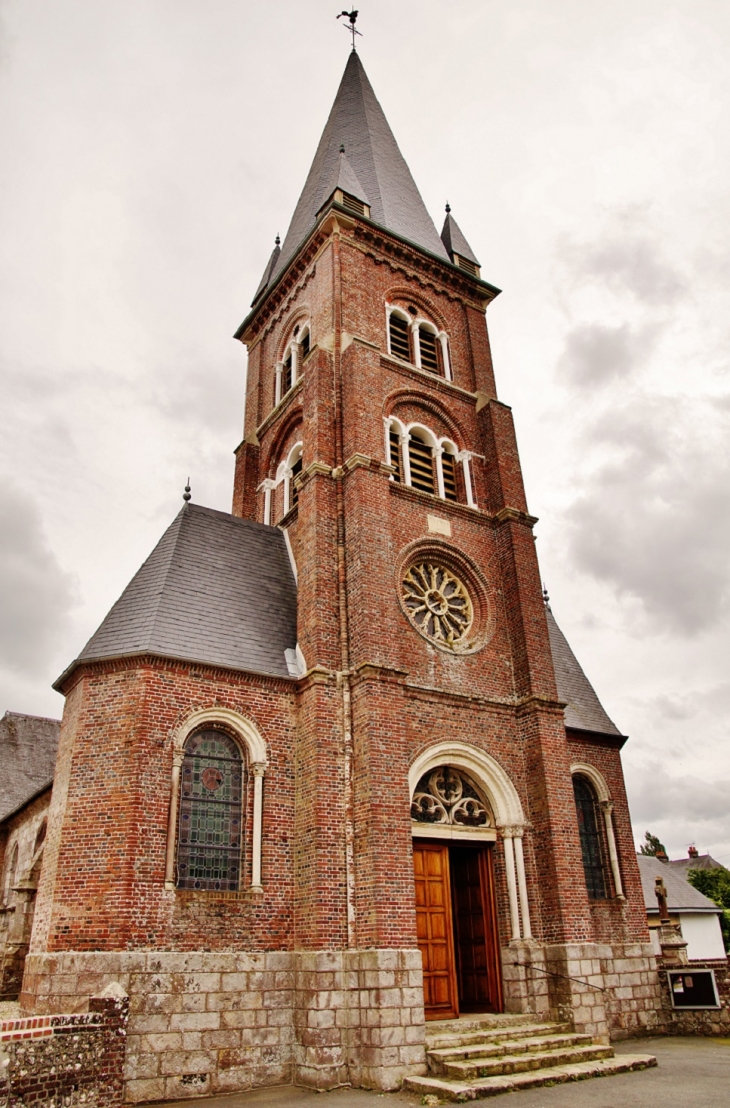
(216, 589)
(584, 711)
(28, 746)
(374, 160)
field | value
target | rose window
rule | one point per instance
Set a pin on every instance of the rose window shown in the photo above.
(445, 796)
(437, 604)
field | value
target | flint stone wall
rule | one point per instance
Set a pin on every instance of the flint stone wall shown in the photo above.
(65, 1059)
(208, 1023)
(707, 1021)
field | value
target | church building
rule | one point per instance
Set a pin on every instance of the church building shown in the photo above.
(329, 774)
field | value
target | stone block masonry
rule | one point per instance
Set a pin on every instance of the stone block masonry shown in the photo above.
(66, 1059)
(211, 1023)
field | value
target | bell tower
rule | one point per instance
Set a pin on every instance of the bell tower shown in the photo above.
(328, 768)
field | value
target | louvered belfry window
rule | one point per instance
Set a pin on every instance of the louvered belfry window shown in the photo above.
(400, 343)
(448, 467)
(590, 838)
(295, 470)
(421, 458)
(395, 461)
(210, 831)
(429, 356)
(305, 345)
(286, 375)
(352, 204)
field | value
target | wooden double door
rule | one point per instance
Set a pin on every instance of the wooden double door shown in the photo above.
(457, 929)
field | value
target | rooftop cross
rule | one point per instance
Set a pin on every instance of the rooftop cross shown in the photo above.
(352, 16)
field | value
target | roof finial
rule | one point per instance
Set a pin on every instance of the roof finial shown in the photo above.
(342, 148)
(545, 597)
(277, 241)
(448, 207)
(186, 494)
(352, 16)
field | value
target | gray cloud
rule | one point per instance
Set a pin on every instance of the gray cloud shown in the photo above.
(633, 263)
(680, 810)
(653, 519)
(36, 596)
(596, 353)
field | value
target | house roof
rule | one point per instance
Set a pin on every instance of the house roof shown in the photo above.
(681, 896)
(453, 239)
(702, 861)
(216, 589)
(584, 711)
(28, 746)
(357, 122)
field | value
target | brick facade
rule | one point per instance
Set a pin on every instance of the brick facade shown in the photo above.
(317, 978)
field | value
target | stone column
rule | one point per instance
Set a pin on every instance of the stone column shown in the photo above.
(607, 807)
(509, 865)
(444, 340)
(522, 884)
(177, 761)
(258, 769)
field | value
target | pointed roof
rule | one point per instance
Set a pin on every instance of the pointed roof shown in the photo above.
(357, 122)
(216, 589)
(346, 179)
(271, 266)
(454, 241)
(584, 711)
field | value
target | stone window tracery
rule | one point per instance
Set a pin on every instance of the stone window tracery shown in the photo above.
(446, 796)
(437, 603)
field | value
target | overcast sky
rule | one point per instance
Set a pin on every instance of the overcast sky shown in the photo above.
(150, 152)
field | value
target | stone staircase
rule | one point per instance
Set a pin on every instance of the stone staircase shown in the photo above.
(484, 1056)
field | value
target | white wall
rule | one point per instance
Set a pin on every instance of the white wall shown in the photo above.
(703, 935)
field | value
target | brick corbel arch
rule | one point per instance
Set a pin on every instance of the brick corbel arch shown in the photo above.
(404, 293)
(408, 396)
(248, 737)
(293, 420)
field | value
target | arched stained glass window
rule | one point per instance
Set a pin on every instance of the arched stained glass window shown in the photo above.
(210, 835)
(590, 838)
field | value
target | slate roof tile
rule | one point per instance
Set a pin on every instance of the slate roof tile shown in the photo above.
(680, 894)
(357, 122)
(28, 746)
(584, 711)
(216, 589)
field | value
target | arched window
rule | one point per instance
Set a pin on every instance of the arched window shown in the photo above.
(296, 469)
(287, 377)
(40, 837)
(427, 346)
(304, 341)
(399, 331)
(420, 456)
(395, 459)
(586, 804)
(10, 873)
(448, 468)
(210, 824)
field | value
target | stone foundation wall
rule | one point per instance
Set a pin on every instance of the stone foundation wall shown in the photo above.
(206, 1023)
(605, 990)
(65, 1059)
(707, 1021)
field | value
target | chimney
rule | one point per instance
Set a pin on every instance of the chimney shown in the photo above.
(692, 852)
(662, 855)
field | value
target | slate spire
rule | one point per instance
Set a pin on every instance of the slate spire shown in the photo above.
(454, 241)
(357, 122)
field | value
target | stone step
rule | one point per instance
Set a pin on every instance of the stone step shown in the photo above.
(459, 1038)
(532, 1044)
(461, 1091)
(484, 1020)
(521, 1063)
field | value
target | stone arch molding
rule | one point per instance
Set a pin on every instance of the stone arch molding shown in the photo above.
(582, 769)
(501, 793)
(246, 733)
(508, 813)
(603, 795)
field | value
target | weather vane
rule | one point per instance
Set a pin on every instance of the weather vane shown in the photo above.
(352, 16)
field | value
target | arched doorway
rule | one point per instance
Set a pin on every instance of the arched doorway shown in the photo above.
(459, 797)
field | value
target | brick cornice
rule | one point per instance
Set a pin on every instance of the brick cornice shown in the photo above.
(430, 380)
(150, 660)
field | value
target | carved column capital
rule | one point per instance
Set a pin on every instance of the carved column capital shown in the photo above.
(258, 769)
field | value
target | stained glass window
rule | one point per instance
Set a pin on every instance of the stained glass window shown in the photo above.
(590, 838)
(210, 835)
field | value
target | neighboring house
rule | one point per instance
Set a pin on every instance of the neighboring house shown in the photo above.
(28, 747)
(698, 917)
(695, 860)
